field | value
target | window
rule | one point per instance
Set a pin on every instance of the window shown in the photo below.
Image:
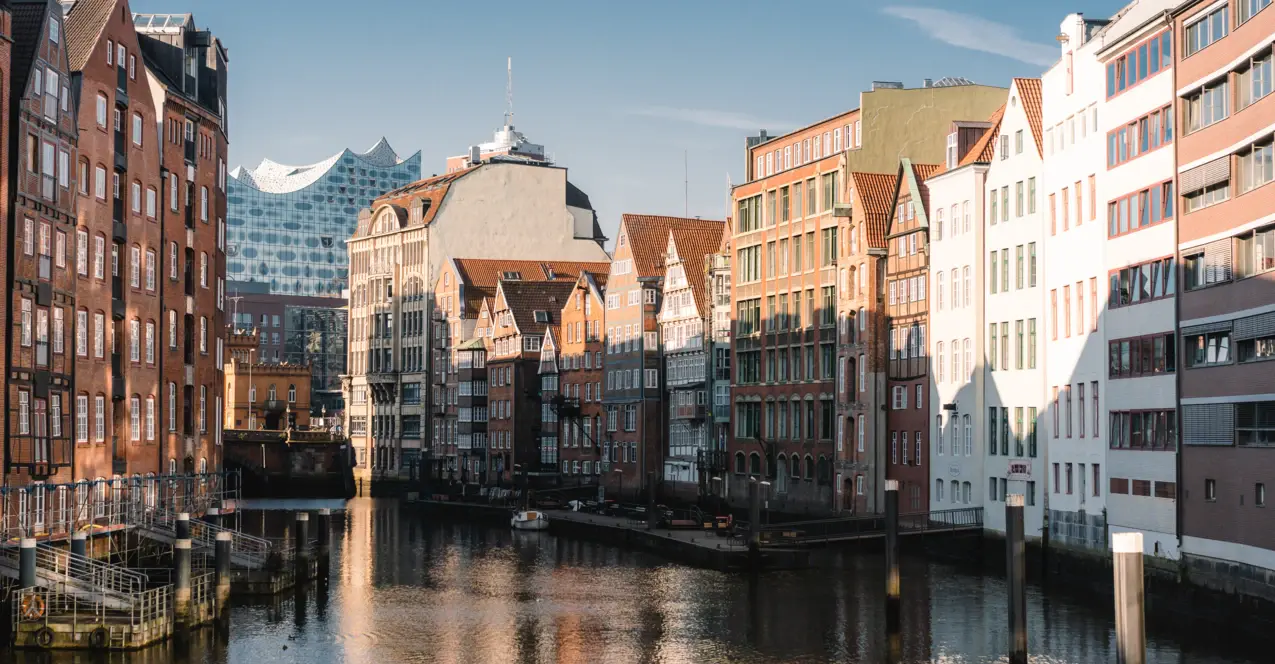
(1141, 356)
(1144, 430)
(1207, 106)
(99, 182)
(1140, 209)
(1255, 166)
(137, 129)
(1207, 349)
(203, 204)
(1208, 29)
(1141, 283)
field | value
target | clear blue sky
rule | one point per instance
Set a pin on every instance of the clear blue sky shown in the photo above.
(616, 91)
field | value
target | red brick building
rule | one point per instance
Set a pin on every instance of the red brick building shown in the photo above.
(186, 71)
(41, 284)
(521, 430)
(633, 393)
(907, 311)
(580, 375)
(118, 319)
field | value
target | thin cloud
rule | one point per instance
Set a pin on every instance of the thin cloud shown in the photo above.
(977, 34)
(709, 117)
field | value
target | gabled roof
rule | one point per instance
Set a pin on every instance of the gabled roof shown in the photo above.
(479, 276)
(28, 28)
(909, 181)
(1029, 95)
(84, 25)
(875, 192)
(648, 237)
(428, 193)
(985, 147)
(692, 246)
(525, 298)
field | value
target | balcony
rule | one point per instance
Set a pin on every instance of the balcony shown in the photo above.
(118, 390)
(190, 211)
(689, 412)
(121, 152)
(274, 405)
(119, 232)
(121, 85)
(41, 456)
(119, 466)
(438, 408)
(190, 150)
(117, 298)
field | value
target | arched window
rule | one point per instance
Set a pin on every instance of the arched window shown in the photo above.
(860, 445)
(863, 320)
(824, 474)
(796, 467)
(810, 468)
(781, 474)
(252, 394)
(955, 491)
(739, 463)
(969, 436)
(754, 464)
(938, 490)
(272, 392)
(292, 393)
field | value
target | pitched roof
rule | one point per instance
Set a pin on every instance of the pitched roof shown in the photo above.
(648, 237)
(84, 24)
(1030, 95)
(692, 245)
(985, 147)
(876, 198)
(28, 24)
(925, 171)
(525, 298)
(480, 276)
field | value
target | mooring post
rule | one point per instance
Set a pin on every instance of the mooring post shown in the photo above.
(1016, 578)
(754, 525)
(26, 563)
(893, 621)
(80, 544)
(213, 516)
(183, 526)
(324, 526)
(221, 571)
(1131, 643)
(302, 531)
(181, 581)
(651, 518)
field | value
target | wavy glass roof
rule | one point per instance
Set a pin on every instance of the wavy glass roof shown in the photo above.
(286, 226)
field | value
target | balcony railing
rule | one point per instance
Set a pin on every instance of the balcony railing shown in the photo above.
(689, 412)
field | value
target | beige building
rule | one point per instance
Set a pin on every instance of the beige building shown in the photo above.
(267, 395)
(499, 209)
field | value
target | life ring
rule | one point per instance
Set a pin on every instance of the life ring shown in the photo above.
(32, 607)
(44, 637)
(98, 638)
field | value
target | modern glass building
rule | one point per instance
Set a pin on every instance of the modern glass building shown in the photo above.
(317, 336)
(286, 226)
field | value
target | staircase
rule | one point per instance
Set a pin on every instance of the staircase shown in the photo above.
(246, 551)
(84, 579)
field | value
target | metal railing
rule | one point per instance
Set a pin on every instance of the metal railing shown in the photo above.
(255, 551)
(57, 510)
(856, 527)
(57, 605)
(95, 573)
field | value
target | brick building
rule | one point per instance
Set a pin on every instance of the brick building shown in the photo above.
(41, 284)
(581, 440)
(460, 291)
(1227, 263)
(634, 394)
(119, 333)
(521, 429)
(266, 395)
(907, 309)
(186, 71)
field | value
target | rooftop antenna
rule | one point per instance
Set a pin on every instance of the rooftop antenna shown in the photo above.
(235, 320)
(509, 94)
(686, 187)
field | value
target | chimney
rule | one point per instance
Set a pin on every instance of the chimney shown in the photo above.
(475, 154)
(927, 83)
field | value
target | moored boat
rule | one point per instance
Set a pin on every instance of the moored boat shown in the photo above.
(529, 520)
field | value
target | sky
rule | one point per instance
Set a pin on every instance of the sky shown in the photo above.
(647, 104)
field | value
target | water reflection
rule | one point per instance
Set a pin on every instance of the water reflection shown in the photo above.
(406, 590)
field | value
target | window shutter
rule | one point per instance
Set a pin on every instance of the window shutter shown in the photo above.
(1217, 261)
(1218, 170)
(1208, 424)
(1254, 327)
(1220, 326)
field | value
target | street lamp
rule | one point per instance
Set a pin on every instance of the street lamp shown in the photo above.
(765, 501)
(252, 422)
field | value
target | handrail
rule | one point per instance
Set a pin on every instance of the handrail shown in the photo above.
(88, 570)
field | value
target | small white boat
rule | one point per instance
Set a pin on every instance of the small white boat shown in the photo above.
(529, 520)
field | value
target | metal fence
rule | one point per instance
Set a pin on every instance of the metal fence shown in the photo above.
(57, 510)
(848, 528)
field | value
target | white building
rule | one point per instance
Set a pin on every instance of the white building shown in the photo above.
(1013, 316)
(956, 315)
(1136, 345)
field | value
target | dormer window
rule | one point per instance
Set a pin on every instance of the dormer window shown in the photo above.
(511, 276)
(951, 150)
(541, 316)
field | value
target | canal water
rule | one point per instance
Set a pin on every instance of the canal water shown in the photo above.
(404, 590)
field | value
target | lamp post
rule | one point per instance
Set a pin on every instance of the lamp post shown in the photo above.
(765, 497)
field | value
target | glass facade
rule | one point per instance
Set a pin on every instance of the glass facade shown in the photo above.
(318, 335)
(286, 226)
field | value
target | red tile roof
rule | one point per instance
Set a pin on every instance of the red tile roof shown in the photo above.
(648, 238)
(985, 147)
(481, 275)
(1029, 95)
(525, 298)
(429, 191)
(875, 192)
(692, 245)
(84, 24)
(925, 171)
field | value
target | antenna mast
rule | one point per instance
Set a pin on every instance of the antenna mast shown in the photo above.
(686, 186)
(509, 94)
